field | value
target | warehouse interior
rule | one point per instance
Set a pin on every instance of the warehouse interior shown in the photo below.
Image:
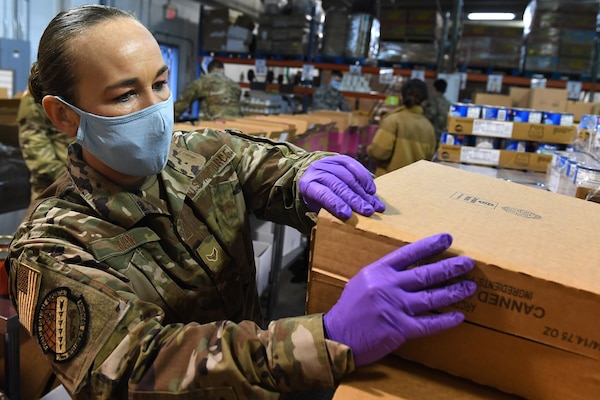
(520, 138)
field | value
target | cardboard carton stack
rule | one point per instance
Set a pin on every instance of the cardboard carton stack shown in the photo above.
(409, 35)
(561, 38)
(531, 329)
(283, 34)
(490, 46)
(507, 143)
(215, 23)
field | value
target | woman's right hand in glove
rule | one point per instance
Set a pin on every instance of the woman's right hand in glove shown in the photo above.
(386, 304)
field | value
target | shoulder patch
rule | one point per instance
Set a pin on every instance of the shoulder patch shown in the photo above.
(62, 324)
(28, 287)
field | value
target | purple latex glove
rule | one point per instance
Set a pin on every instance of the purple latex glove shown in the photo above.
(383, 305)
(340, 184)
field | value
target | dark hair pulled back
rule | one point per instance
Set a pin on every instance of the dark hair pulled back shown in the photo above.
(414, 92)
(54, 72)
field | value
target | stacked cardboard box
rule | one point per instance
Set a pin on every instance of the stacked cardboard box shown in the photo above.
(531, 328)
(490, 46)
(561, 38)
(283, 34)
(504, 130)
(215, 23)
(396, 379)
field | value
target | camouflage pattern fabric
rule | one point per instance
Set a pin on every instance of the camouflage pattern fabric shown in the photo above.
(219, 97)
(43, 146)
(436, 110)
(328, 98)
(150, 292)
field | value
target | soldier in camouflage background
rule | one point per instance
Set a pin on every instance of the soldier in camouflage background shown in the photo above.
(219, 96)
(135, 271)
(328, 96)
(437, 107)
(44, 147)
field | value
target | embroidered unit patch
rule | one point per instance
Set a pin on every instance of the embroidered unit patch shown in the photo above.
(62, 324)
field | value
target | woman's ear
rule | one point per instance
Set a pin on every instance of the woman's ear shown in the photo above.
(61, 115)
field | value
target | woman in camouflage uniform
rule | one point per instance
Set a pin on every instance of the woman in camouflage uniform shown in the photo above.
(135, 271)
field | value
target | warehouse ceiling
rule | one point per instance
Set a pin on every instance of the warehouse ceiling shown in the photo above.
(514, 6)
(254, 8)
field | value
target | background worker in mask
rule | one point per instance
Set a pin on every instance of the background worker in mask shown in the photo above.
(219, 96)
(145, 246)
(328, 96)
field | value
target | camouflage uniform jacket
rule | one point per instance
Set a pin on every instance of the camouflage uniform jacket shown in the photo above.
(43, 146)
(403, 137)
(328, 98)
(436, 110)
(219, 95)
(158, 282)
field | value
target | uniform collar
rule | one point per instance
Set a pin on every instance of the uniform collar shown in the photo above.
(113, 202)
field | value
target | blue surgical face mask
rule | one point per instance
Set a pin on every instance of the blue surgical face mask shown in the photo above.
(135, 144)
(336, 85)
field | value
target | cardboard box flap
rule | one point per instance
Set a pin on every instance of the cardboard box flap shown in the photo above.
(522, 238)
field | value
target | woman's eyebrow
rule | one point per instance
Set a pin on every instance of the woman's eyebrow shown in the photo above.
(133, 81)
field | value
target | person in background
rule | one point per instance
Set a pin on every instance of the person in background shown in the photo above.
(437, 108)
(43, 146)
(135, 271)
(219, 95)
(404, 135)
(329, 97)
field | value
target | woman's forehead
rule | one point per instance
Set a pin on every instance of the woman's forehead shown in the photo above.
(116, 45)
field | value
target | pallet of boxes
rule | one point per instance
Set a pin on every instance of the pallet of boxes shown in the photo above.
(493, 132)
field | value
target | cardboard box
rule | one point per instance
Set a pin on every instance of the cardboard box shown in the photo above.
(395, 378)
(342, 119)
(493, 157)
(512, 130)
(492, 99)
(548, 99)
(272, 131)
(579, 108)
(300, 126)
(519, 96)
(8, 111)
(531, 329)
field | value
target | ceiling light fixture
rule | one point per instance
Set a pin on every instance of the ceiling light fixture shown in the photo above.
(491, 16)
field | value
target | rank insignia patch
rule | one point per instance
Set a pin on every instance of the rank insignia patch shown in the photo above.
(62, 323)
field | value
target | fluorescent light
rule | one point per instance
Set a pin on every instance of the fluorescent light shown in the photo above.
(492, 16)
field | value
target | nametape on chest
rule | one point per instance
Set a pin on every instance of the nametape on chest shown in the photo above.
(212, 168)
(103, 249)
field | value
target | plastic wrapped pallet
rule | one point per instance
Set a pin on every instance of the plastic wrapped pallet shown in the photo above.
(363, 36)
(335, 32)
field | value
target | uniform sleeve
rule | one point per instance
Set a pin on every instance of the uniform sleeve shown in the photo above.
(269, 173)
(343, 104)
(194, 91)
(104, 342)
(382, 146)
(36, 134)
(318, 99)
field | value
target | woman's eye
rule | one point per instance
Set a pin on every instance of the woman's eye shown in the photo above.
(158, 86)
(124, 97)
